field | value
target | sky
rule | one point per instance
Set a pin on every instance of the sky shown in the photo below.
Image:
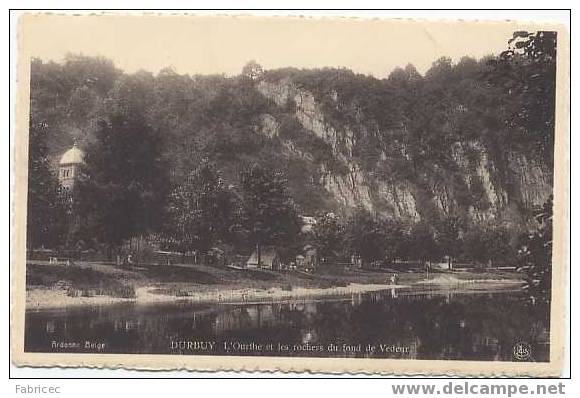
(222, 45)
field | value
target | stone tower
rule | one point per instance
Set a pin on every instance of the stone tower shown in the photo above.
(69, 167)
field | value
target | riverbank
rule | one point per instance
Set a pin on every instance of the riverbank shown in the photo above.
(49, 299)
(52, 286)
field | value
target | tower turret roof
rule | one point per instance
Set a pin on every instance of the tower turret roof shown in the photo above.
(72, 156)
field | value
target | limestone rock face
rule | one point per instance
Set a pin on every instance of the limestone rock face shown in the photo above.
(268, 126)
(474, 184)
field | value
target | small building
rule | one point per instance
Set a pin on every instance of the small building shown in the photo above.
(356, 261)
(69, 167)
(446, 264)
(300, 261)
(309, 258)
(308, 223)
(269, 259)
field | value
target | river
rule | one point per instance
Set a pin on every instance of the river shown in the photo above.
(428, 324)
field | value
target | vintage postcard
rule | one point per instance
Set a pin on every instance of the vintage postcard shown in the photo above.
(335, 195)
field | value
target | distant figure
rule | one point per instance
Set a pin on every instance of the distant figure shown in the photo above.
(394, 279)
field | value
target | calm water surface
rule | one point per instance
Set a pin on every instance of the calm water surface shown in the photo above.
(432, 324)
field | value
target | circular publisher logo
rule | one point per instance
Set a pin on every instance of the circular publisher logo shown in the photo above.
(522, 351)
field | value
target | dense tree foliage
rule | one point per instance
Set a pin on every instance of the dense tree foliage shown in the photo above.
(123, 187)
(201, 211)
(328, 234)
(526, 74)
(144, 133)
(48, 203)
(422, 244)
(252, 70)
(270, 216)
(489, 244)
(366, 236)
(535, 256)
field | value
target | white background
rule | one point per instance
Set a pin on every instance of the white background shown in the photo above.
(362, 385)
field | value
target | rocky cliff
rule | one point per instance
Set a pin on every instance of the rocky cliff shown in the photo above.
(472, 182)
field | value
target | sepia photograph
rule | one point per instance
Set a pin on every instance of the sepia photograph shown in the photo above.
(377, 194)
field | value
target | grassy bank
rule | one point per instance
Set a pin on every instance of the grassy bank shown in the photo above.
(50, 285)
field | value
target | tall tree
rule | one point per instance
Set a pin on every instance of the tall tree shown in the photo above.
(422, 243)
(270, 215)
(395, 239)
(47, 202)
(328, 235)
(366, 236)
(526, 72)
(535, 256)
(124, 182)
(497, 244)
(252, 70)
(489, 244)
(448, 236)
(201, 211)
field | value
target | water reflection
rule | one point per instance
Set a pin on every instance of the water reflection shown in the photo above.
(411, 325)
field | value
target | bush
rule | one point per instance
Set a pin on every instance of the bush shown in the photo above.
(334, 282)
(123, 291)
(114, 290)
